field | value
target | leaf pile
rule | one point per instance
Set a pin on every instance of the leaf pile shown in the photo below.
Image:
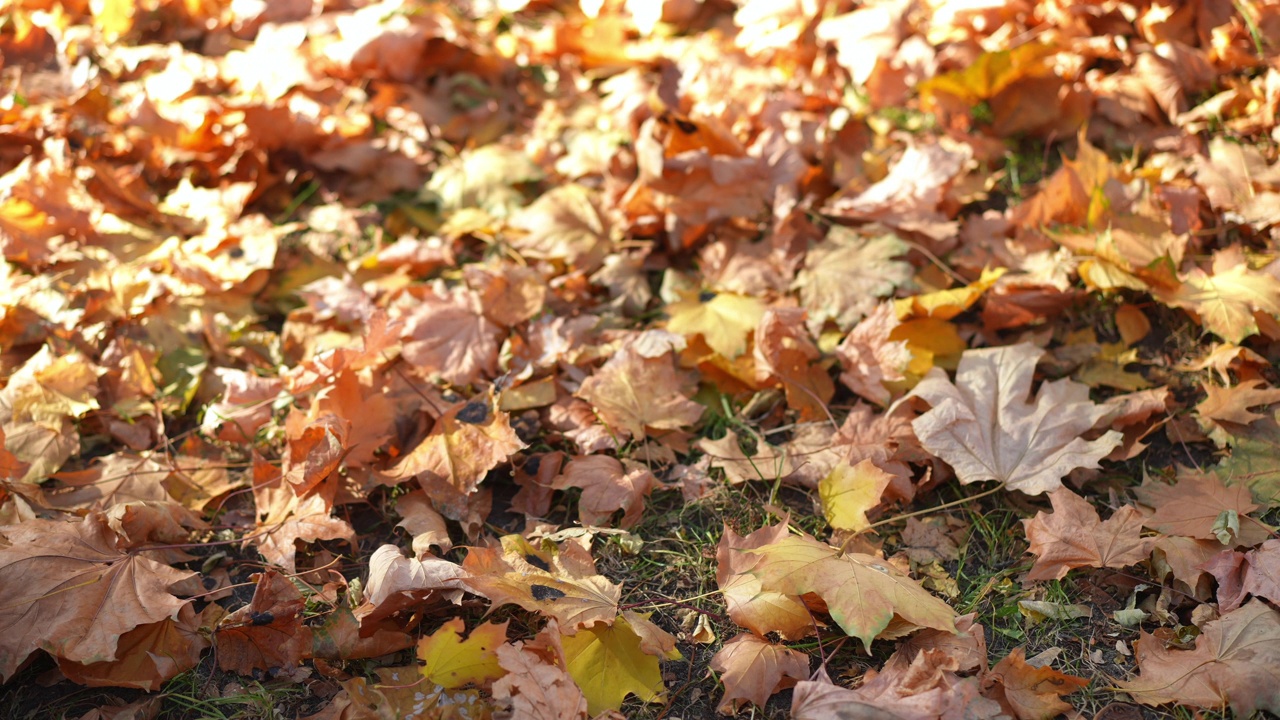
(278, 278)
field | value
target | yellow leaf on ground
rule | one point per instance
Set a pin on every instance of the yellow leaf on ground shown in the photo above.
(609, 662)
(849, 491)
(723, 319)
(452, 662)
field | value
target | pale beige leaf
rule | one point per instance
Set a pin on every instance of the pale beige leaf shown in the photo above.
(987, 427)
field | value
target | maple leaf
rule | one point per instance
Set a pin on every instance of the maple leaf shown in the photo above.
(863, 593)
(785, 352)
(845, 274)
(724, 320)
(1194, 505)
(557, 581)
(450, 336)
(452, 662)
(341, 638)
(985, 427)
(923, 688)
(268, 632)
(567, 223)
(767, 463)
(1031, 693)
(753, 669)
(870, 359)
(849, 492)
(1226, 300)
(1072, 536)
(607, 485)
(610, 662)
(749, 604)
(536, 689)
(468, 441)
(1236, 662)
(1227, 406)
(149, 655)
(633, 392)
(74, 591)
(244, 407)
(284, 518)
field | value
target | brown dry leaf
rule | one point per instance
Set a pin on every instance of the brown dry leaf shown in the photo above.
(753, 669)
(423, 523)
(844, 275)
(925, 688)
(767, 463)
(870, 358)
(558, 581)
(284, 518)
(986, 426)
(449, 336)
(149, 655)
(316, 449)
(1029, 693)
(74, 591)
(863, 593)
(1072, 536)
(535, 689)
(340, 638)
(748, 603)
(785, 353)
(632, 392)
(245, 405)
(608, 485)
(1193, 505)
(1236, 663)
(907, 200)
(466, 442)
(1227, 406)
(268, 632)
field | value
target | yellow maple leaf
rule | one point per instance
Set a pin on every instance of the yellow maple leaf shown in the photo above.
(849, 491)
(723, 319)
(610, 662)
(452, 662)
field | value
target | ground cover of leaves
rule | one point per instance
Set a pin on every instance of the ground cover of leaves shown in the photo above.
(521, 359)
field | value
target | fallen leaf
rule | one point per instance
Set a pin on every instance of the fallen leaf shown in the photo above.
(608, 485)
(986, 427)
(1073, 536)
(465, 443)
(752, 669)
(1236, 663)
(149, 655)
(609, 663)
(849, 492)
(748, 603)
(845, 274)
(536, 689)
(632, 392)
(1226, 300)
(557, 581)
(1030, 693)
(1193, 505)
(724, 320)
(452, 662)
(267, 633)
(863, 593)
(75, 590)
(1227, 406)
